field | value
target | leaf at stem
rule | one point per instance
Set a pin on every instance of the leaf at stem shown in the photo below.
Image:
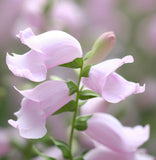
(81, 122)
(86, 71)
(76, 63)
(63, 147)
(88, 94)
(72, 87)
(69, 107)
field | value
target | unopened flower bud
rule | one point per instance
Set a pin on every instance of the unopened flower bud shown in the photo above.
(100, 49)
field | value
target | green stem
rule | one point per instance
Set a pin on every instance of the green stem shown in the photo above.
(75, 113)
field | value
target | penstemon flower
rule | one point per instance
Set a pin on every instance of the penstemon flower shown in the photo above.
(111, 86)
(108, 131)
(53, 97)
(47, 51)
(38, 104)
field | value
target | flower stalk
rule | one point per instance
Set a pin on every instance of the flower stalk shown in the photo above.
(75, 113)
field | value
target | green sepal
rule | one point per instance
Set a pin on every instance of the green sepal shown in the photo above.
(69, 107)
(63, 147)
(88, 94)
(86, 70)
(72, 87)
(76, 63)
(81, 122)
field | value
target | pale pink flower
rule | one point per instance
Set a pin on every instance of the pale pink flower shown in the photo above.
(4, 142)
(67, 15)
(108, 131)
(47, 50)
(9, 12)
(146, 34)
(106, 15)
(141, 6)
(105, 81)
(94, 105)
(102, 153)
(38, 104)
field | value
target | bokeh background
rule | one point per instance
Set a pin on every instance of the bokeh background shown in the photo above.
(134, 24)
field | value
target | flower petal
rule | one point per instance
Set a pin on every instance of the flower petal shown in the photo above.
(45, 90)
(51, 95)
(55, 47)
(100, 72)
(108, 131)
(31, 120)
(102, 153)
(117, 88)
(94, 105)
(104, 81)
(29, 65)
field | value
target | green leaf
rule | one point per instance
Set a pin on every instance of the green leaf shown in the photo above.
(76, 63)
(72, 87)
(85, 72)
(69, 107)
(88, 94)
(82, 103)
(81, 122)
(63, 147)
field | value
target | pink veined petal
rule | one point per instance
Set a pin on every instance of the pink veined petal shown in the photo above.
(102, 153)
(108, 131)
(55, 47)
(117, 88)
(101, 71)
(29, 65)
(94, 105)
(31, 120)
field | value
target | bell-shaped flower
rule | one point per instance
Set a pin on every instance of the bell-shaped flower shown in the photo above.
(48, 50)
(108, 131)
(38, 104)
(105, 81)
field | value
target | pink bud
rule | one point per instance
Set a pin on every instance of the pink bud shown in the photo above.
(100, 49)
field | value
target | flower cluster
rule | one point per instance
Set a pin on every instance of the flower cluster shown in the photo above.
(111, 139)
